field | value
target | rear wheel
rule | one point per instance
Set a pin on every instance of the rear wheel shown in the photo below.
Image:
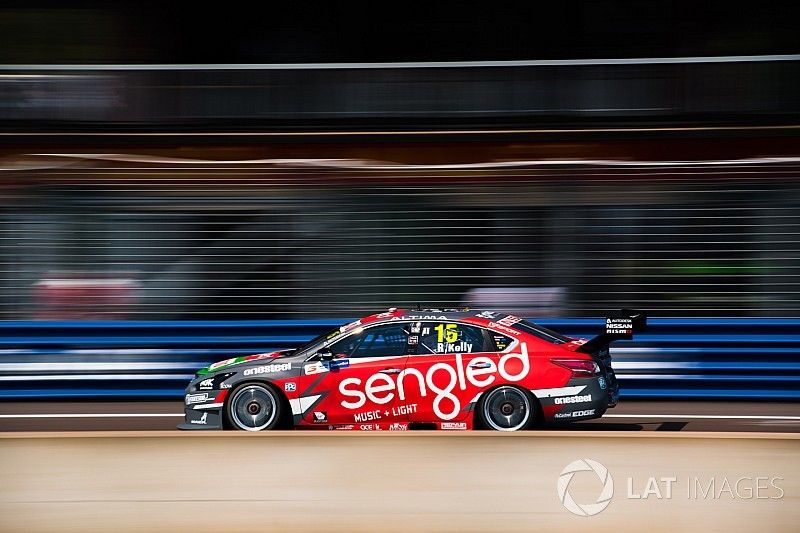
(506, 408)
(254, 407)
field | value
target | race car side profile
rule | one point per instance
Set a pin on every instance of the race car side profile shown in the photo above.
(416, 369)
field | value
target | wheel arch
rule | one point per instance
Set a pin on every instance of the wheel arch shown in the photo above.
(286, 420)
(477, 417)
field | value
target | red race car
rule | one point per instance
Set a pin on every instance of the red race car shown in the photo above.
(416, 369)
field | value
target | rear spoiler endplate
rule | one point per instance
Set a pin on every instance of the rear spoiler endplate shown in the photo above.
(620, 325)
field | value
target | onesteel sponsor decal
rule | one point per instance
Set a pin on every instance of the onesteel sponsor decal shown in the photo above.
(573, 399)
(268, 369)
(380, 388)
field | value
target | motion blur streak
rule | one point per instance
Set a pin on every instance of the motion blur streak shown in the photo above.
(182, 185)
(60, 482)
(393, 133)
(162, 234)
(659, 92)
(378, 165)
(416, 64)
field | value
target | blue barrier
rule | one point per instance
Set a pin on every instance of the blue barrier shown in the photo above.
(718, 358)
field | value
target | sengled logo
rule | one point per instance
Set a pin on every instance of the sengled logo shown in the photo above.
(588, 509)
(379, 388)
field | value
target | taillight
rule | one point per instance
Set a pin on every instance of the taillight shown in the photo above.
(579, 367)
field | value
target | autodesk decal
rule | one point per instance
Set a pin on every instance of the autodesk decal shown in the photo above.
(587, 509)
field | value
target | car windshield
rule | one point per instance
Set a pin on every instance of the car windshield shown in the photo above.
(542, 332)
(314, 344)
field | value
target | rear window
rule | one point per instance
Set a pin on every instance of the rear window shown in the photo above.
(540, 331)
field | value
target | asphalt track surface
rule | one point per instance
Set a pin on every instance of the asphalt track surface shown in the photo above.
(638, 415)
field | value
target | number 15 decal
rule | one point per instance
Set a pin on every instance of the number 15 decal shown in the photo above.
(447, 332)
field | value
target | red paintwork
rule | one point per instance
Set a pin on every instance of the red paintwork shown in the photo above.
(435, 389)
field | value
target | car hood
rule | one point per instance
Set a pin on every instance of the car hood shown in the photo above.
(236, 361)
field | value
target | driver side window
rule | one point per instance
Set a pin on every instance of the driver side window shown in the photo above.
(381, 341)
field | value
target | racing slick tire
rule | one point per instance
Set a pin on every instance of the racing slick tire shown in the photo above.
(254, 407)
(506, 408)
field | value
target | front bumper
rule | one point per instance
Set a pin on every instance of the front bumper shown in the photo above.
(203, 413)
(195, 419)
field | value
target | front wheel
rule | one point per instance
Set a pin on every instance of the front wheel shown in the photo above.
(254, 407)
(506, 409)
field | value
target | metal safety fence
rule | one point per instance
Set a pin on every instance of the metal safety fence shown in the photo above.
(718, 358)
(95, 237)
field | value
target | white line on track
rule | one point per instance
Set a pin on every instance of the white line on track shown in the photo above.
(711, 417)
(382, 132)
(155, 415)
(403, 64)
(93, 415)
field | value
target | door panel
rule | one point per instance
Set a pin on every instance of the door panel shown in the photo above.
(365, 391)
(359, 383)
(454, 362)
(442, 387)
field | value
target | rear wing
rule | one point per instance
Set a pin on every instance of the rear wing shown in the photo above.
(620, 325)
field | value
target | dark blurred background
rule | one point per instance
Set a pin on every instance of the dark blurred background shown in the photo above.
(317, 31)
(178, 161)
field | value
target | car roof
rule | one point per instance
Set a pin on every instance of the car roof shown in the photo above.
(497, 321)
(439, 314)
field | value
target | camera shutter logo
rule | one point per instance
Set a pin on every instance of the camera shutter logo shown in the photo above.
(588, 509)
